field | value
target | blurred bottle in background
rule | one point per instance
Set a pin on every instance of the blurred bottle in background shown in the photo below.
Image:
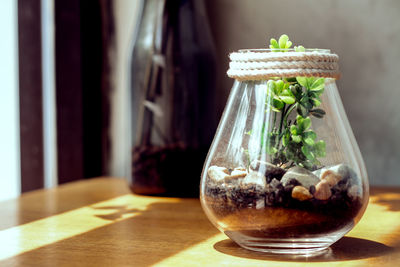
(173, 97)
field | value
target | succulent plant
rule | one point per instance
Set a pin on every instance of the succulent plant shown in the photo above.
(293, 142)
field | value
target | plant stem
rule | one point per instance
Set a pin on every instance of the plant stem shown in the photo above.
(282, 116)
(279, 135)
(288, 111)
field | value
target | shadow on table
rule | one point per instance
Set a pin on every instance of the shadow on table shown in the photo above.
(389, 198)
(117, 212)
(41, 204)
(150, 236)
(347, 248)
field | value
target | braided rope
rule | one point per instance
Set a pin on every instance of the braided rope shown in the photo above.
(259, 65)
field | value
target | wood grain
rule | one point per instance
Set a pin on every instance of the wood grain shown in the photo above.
(98, 222)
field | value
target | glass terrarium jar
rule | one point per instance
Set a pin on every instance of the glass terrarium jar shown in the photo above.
(173, 93)
(284, 173)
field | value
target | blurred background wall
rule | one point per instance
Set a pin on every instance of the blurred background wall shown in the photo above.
(365, 35)
(9, 121)
(66, 69)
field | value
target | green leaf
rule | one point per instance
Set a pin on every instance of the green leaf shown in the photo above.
(319, 116)
(320, 149)
(306, 82)
(285, 139)
(303, 123)
(309, 141)
(274, 44)
(316, 102)
(271, 150)
(308, 165)
(286, 86)
(299, 120)
(306, 151)
(287, 99)
(296, 138)
(269, 99)
(271, 85)
(296, 91)
(299, 48)
(302, 81)
(305, 101)
(317, 84)
(302, 111)
(279, 86)
(300, 123)
(310, 134)
(309, 137)
(297, 143)
(319, 113)
(316, 162)
(283, 40)
(291, 80)
(287, 92)
(319, 90)
(319, 110)
(307, 123)
(293, 130)
(278, 104)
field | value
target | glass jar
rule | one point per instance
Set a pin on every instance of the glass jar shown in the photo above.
(284, 173)
(173, 94)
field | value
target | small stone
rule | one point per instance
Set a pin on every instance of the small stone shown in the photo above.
(218, 174)
(301, 193)
(278, 196)
(331, 177)
(322, 190)
(354, 192)
(288, 188)
(274, 183)
(273, 186)
(293, 182)
(268, 169)
(318, 172)
(270, 199)
(260, 204)
(344, 170)
(238, 173)
(312, 189)
(301, 175)
(254, 178)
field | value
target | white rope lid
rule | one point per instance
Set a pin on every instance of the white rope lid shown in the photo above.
(260, 64)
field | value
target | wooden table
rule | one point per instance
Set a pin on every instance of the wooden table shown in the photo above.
(98, 222)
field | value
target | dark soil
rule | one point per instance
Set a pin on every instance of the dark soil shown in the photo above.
(171, 170)
(338, 211)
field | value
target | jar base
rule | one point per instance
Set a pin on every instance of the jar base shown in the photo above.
(307, 246)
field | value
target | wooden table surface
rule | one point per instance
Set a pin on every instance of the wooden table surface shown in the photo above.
(98, 222)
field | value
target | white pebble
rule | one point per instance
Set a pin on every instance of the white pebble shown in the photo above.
(218, 174)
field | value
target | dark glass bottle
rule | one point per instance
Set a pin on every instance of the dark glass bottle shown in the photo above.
(173, 97)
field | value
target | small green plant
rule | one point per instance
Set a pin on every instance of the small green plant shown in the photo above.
(293, 142)
(284, 44)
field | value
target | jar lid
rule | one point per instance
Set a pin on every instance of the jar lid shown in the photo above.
(260, 64)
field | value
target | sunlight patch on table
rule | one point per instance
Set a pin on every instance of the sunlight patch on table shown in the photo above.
(382, 222)
(36, 234)
(379, 223)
